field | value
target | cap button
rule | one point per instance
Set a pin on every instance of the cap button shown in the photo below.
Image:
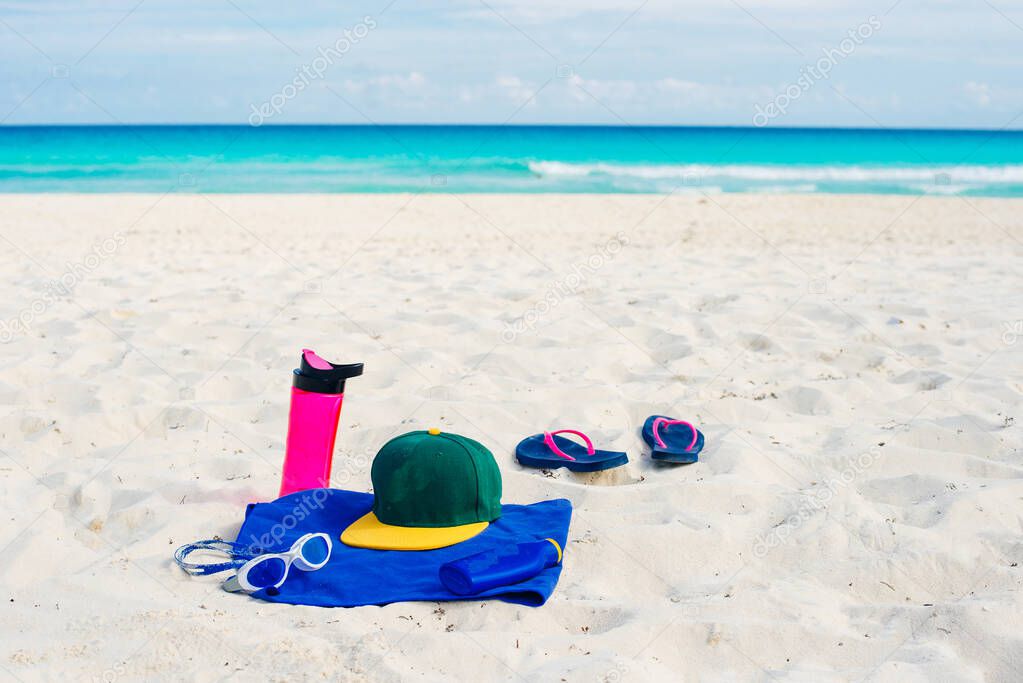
(433, 431)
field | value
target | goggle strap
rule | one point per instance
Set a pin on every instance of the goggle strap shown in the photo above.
(239, 554)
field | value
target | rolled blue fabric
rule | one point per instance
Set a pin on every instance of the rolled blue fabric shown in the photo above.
(504, 566)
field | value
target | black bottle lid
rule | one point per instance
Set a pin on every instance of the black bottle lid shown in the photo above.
(321, 376)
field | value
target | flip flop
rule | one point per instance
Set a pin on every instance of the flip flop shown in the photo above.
(550, 451)
(672, 445)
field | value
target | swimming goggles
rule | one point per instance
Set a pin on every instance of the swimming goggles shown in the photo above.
(257, 570)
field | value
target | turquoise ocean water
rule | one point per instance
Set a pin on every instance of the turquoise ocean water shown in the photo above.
(526, 159)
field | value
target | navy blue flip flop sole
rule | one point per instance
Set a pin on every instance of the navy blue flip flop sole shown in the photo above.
(676, 448)
(533, 452)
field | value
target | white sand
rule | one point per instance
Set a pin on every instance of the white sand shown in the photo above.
(853, 361)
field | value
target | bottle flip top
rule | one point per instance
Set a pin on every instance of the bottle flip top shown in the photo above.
(323, 377)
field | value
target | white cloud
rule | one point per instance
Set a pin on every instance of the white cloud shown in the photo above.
(666, 92)
(606, 91)
(412, 83)
(515, 89)
(217, 37)
(980, 93)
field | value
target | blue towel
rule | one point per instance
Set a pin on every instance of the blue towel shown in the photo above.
(359, 576)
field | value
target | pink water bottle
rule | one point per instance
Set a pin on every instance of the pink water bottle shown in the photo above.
(317, 389)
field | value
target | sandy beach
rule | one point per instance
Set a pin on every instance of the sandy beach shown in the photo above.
(855, 363)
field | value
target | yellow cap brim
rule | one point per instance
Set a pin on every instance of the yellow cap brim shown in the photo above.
(370, 532)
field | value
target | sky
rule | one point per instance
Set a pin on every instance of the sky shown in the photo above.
(869, 63)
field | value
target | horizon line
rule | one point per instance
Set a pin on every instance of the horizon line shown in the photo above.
(889, 129)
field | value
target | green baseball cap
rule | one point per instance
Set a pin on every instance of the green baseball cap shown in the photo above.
(431, 490)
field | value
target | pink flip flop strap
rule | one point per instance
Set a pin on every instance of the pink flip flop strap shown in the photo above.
(662, 421)
(548, 439)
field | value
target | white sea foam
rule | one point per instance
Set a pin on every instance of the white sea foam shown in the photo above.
(939, 175)
(941, 189)
(798, 187)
